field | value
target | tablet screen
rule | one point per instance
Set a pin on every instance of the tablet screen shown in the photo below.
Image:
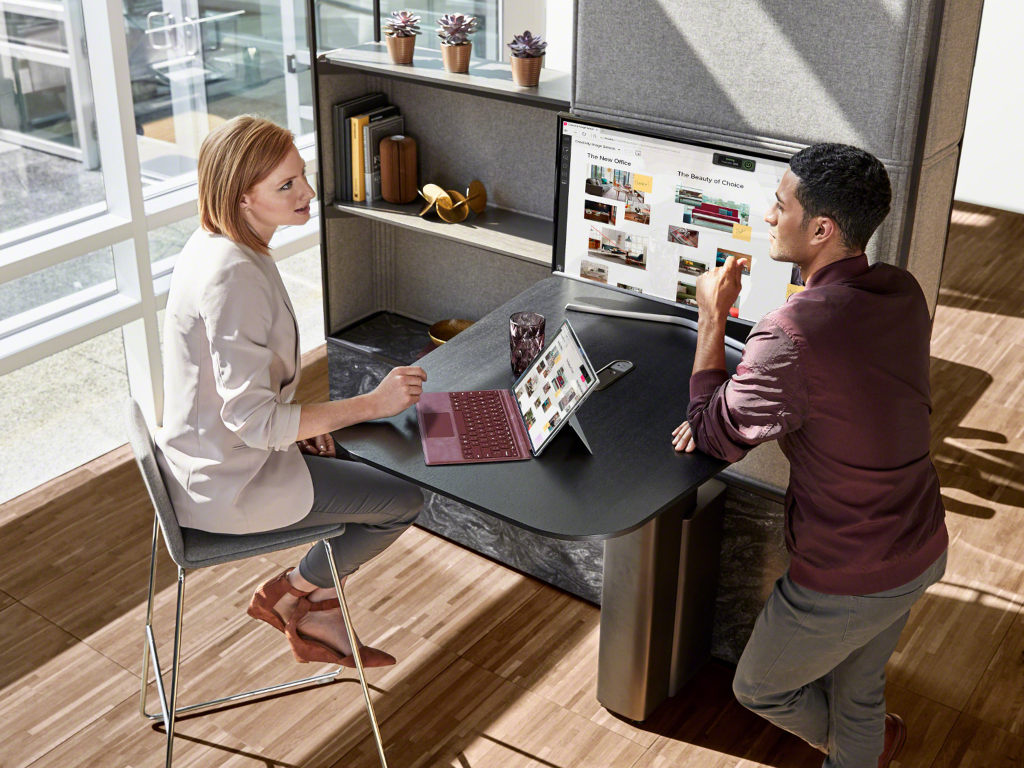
(554, 385)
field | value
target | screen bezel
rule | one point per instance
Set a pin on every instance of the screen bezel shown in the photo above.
(558, 245)
(572, 411)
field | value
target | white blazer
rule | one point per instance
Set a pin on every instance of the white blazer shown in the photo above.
(231, 367)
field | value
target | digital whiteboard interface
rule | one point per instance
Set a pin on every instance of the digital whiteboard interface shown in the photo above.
(649, 216)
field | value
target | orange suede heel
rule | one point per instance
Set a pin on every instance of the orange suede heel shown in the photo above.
(306, 649)
(266, 597)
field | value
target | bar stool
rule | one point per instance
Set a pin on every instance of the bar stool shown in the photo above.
(192, 549)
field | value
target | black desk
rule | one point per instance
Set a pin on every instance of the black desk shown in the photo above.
(634, 483)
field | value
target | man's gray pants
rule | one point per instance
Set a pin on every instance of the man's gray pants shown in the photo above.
(815, 665)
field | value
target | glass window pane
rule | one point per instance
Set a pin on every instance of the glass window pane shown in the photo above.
(61, 412)
(89, 277)
(344, 23)
(302, 277)
(34, 31)
(167, 242)
(48, 160)
(189, 76)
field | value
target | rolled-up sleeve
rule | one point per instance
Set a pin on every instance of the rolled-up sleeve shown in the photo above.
(764, 400)
(237, 308)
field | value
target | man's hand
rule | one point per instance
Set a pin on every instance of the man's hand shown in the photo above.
(401, 388)
(319, 446)
(682, 437)
(718, 288)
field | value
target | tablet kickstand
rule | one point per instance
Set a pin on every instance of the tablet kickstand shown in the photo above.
(575, 424)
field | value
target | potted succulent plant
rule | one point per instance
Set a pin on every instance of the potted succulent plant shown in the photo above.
(400, 33)
(527, 55)
(454, 30)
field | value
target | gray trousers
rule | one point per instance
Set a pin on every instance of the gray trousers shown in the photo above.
(815, 665)
(376, 508)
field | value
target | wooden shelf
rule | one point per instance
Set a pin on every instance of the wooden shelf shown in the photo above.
(490, 79)
(499, 230)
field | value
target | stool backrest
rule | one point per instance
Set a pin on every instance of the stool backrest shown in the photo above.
(145, 456)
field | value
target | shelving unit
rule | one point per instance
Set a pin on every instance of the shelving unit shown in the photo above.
(384, 257)
(491, 79)
(497, 230)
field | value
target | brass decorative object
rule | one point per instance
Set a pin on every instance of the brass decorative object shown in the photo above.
(452, 209)
(453, 206)
(446, 330)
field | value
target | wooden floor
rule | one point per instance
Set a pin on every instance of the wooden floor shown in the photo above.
(496, 668)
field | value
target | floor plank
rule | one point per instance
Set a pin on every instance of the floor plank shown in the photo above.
(440, 591)
(999, 697)
(953, 634)
(51, 686)
(215, 603)
(122, 738)
(41, 545)
(704, 725)
(928, 725)
(549, 646)
(976, 744)
(317, 726)
(471, 718)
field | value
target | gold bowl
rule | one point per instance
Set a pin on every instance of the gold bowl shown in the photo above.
(446, 330)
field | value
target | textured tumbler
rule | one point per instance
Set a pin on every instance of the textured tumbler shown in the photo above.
(525, 339)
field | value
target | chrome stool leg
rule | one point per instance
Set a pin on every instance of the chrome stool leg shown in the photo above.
(355, 653)
(149, 623)
(175, 666)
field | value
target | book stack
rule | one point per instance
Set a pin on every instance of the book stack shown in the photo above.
(359, 126)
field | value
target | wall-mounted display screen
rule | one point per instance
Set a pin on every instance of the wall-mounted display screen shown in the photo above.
(649, 215)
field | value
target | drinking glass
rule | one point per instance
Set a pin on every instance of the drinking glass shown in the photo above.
(525, 339)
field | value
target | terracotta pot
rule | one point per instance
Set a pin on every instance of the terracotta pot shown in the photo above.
(456, 57)
(526, 71)
(401, 48)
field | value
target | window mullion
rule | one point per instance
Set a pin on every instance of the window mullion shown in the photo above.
(115, 123)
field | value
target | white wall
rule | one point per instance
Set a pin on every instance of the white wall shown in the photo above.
(992, 164)
(552, 19)
(560, 34)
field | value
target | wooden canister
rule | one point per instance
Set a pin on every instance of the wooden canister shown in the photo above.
(398, 169)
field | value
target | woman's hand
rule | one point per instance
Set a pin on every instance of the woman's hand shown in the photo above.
(682, 438)
(323, 445)
(401, 388)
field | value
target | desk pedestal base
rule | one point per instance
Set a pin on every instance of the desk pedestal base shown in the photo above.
(657, 604)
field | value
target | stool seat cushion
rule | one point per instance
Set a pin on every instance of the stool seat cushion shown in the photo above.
(203, 549)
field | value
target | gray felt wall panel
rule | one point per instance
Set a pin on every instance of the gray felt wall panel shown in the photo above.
(778, 75)
(928, 240)
(350, 280)
(435, 279)
(462, 138)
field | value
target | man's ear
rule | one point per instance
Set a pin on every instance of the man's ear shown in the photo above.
(824, 230)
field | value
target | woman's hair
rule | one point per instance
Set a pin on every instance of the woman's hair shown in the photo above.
(234, 158)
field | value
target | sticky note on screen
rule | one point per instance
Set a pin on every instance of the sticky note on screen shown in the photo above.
(643, 183)
(741, 232)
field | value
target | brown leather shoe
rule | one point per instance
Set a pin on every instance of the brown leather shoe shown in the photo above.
(266, 596)
(306, 649)
(895, 736)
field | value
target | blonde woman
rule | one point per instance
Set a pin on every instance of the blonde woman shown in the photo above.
(237, 455)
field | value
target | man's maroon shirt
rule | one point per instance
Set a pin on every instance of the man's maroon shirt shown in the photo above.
(839, 376)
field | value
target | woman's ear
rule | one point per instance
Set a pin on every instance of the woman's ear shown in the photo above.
(245, 203)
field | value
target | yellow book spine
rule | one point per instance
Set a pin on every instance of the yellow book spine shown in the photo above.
(358, 170)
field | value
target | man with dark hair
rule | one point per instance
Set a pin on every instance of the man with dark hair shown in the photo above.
(839, 376)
